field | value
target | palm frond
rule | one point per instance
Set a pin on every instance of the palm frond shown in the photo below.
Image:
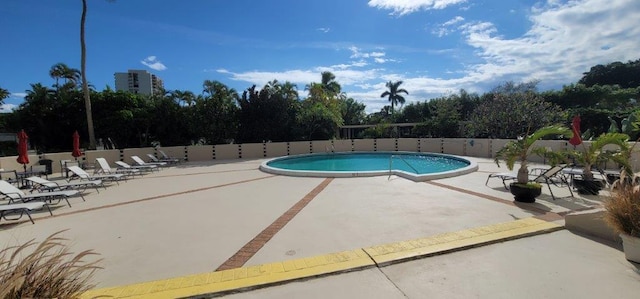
(546, 131)
(402, 90)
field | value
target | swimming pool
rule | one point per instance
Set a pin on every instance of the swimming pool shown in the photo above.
(411, 165)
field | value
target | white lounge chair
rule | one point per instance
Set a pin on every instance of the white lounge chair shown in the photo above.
(553, 176)
(14, 194)
(153, 159)
(141, 162)
(83, 175)
(146, 168)
(105, 168)
(166, 157)
(504, 176)
(549, 176)
(41, 184)
(22, 208)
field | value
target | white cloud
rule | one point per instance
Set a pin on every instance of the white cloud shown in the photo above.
(403, 7)
(376, 56)
(344, 66)
(344, 76)
(324, 30)
(153, 63)
(359, 63)
(445, 28)
(565, 39)
(7, 108)
(356, 53)
(18, 95)
(455, 20)
(260, 78)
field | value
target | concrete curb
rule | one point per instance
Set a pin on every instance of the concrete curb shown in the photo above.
(399, 252)
(247, 278)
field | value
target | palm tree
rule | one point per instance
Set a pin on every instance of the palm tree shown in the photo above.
(287, 89)
(56, 73)
(62, 71)
(329, 83)
(218, 91)
(394, 94)
(327, 86)
(3, 94)
(38, 93)
(186, 96)
(520, 149)
(85, 84)
(216, 87)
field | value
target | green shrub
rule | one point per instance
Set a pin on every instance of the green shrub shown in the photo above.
(530, 185)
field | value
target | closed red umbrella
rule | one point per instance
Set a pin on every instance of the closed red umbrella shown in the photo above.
(76, 145)
(575, 125)
(23, 156)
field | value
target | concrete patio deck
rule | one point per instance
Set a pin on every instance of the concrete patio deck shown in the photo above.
(166, 234)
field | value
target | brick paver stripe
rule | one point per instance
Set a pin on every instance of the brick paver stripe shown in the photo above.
(250, 249)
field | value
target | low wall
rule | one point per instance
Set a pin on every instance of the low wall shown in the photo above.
(591, 223)
(482, 148)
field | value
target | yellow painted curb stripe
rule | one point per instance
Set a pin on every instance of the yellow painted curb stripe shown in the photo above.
(241, 278)
(448, 242)
(273, 273)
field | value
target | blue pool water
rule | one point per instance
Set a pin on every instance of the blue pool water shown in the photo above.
(414, 163)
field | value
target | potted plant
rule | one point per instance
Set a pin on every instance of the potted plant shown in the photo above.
(588, 156)
(519, 150)
(622, 213)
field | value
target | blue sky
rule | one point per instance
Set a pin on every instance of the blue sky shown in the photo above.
(435, 46)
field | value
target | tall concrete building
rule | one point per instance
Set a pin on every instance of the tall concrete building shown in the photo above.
(138, 81)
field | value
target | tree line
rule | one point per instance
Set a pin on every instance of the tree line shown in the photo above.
(604, 96)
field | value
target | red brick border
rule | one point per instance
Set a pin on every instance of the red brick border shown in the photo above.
(138, 200)
(252, 247)
(544, 214)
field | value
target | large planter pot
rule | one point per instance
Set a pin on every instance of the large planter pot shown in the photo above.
(589, 187)
(631, 246)
(524, 193)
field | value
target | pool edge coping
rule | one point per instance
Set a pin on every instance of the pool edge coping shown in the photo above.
(472, 167)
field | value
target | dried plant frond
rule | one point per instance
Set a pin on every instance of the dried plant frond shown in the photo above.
(623, 206)
(51, 270)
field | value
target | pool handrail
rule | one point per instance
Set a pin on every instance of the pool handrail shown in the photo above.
(401, 158)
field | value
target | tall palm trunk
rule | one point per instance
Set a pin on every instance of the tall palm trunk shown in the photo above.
(85, 85)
